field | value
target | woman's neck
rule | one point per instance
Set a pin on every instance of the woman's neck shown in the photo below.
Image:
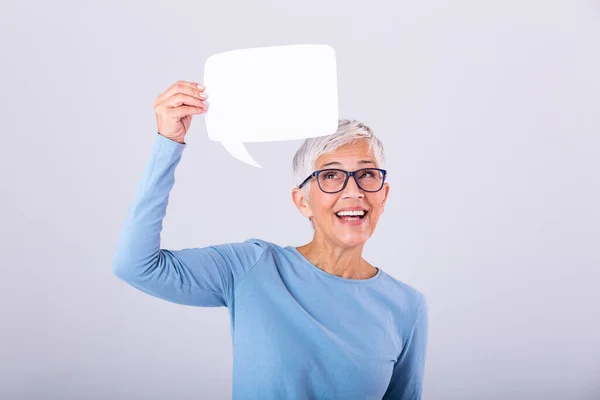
(343, 262)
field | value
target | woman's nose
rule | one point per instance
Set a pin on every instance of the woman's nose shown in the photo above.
(352, 186)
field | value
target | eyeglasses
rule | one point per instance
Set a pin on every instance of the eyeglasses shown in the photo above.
(335, 180)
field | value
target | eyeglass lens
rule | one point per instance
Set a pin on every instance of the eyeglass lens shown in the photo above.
(332, 180)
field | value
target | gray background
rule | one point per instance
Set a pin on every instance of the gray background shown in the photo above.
(489, 115)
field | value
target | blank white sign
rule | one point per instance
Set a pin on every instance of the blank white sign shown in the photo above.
(270, 94)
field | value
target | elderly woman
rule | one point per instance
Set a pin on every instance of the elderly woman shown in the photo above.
(310, 322)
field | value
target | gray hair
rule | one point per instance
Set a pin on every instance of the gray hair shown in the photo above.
(348, 132)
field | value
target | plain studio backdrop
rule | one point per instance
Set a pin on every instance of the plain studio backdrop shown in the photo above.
(489, 113)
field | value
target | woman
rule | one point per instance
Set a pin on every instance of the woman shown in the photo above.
(310, 322)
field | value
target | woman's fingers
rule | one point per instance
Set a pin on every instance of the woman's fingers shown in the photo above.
(179, 99)
(190, 84)
(185, 88)
(184, 111)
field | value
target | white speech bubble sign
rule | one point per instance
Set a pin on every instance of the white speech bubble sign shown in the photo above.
(270, 94)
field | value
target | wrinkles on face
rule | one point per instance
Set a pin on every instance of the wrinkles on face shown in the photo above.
(328, 226)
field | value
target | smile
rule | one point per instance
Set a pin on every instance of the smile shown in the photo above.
(351, 217)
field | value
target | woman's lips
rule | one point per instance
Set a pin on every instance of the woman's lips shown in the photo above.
(352, 221)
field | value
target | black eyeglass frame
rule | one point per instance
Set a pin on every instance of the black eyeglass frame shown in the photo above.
(348, 173)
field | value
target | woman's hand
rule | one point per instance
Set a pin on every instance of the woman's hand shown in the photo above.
(175, 107)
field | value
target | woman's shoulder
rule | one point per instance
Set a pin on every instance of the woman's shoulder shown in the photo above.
(263, 244)
(267, 245)
(405, 296)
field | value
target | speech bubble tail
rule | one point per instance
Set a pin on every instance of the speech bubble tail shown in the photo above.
(238, 150)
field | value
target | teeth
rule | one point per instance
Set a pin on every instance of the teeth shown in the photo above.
(351, 213)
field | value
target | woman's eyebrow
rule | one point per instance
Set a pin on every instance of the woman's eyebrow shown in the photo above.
(338, 163)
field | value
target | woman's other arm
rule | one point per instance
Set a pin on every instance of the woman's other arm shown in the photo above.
(407, 378)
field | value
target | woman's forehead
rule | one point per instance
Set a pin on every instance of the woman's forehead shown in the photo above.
(354, 155)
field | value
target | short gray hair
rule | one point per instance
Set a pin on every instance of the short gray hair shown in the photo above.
(348, 132)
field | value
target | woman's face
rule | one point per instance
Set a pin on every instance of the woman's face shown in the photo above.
(322, 207)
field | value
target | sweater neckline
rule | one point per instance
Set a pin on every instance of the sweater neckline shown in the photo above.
(305, 262)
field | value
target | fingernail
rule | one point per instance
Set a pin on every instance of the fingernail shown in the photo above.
(201, 86)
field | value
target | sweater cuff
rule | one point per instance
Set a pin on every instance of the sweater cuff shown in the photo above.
(169, 145)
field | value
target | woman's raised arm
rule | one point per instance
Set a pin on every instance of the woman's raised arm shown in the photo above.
(204, 276)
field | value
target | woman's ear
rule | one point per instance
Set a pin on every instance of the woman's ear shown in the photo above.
(301, 202)
(386, 191)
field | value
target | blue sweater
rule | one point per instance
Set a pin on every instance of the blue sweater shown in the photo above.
(298, 332)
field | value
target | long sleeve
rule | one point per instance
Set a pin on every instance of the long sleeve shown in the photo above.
(194, 276)
(407, 377)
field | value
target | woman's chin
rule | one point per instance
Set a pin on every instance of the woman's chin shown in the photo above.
(352, 239)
